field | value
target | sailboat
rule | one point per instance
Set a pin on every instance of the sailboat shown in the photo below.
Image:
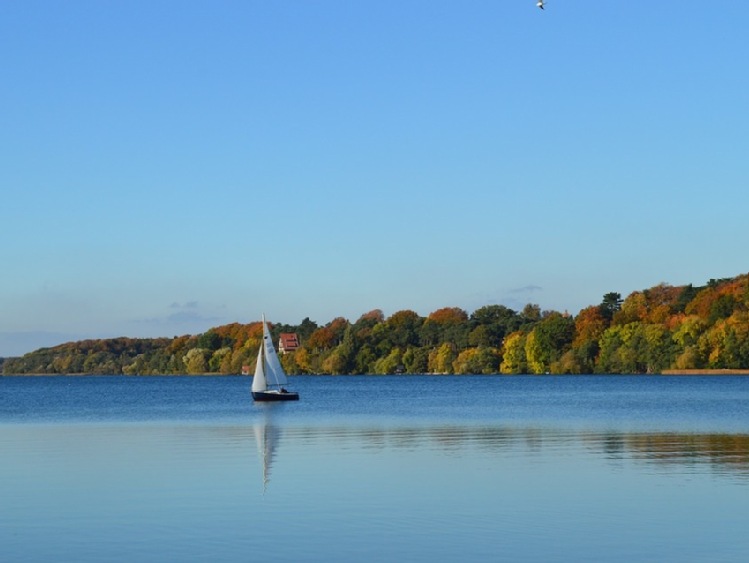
(269, 379)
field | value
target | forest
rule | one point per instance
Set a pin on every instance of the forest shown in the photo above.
(662, 328)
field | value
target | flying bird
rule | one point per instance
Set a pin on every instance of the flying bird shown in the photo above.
(540, 4)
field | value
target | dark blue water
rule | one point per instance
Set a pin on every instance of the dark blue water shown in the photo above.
(656, 402)
(397, 468)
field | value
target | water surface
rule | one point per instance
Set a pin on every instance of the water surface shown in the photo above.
(383, 468)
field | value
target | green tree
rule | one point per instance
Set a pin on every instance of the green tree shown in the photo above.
(659, 350)
(548, 341)
(612, 302)
(635, 348)
(490, 324)
(416, 360)
(613, 358)
(530, 314)
(390, 363)
(365, 359)
(403, 328)
(209, 340)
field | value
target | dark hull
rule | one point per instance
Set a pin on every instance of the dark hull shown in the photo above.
(275, 396)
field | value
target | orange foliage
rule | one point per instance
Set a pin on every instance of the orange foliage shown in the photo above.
(240, 333)
(374, 314)
(404, 317)
(448, 315)
(650, 306)
(661, 302)
(663, 294)
(674, 321)
(338, 325)
(589, 325)
(703, 302)
(178, 343)
(327, 337)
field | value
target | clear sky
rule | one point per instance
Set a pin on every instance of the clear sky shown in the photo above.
(169, 166)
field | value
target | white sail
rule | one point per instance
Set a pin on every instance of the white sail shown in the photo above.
(274, 373)
(258, 382)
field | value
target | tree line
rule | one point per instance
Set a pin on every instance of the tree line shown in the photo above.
(664, 327)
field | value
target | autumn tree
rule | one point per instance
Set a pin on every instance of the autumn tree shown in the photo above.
(445, 325)
(195, 361)
(482, 360)
(327, 337)
(217, 359)
(726, 344)
(441, 359)
(686, 337)
(363, 327)
(513, 354)
(336, 362)
(590, 324)
(652, 329)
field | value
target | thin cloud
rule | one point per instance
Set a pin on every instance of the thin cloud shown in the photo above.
(530, 288)
(187, 305)
(187, 315)
(190, 317)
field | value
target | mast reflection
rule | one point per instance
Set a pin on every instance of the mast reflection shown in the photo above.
(267, 436)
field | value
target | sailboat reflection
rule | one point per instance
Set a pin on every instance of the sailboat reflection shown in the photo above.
(266, 437)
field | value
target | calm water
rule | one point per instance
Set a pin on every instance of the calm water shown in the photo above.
(375, 468)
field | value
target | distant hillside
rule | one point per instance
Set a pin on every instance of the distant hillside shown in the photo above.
(661, 328)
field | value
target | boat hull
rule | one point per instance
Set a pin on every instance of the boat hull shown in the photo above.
(275, 396)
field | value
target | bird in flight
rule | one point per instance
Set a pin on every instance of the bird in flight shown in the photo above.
(540, 4)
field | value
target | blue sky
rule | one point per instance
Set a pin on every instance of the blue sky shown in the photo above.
(166, 166)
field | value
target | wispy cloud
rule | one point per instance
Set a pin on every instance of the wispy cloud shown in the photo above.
(189, 316)
(530, 288)
(186, 305)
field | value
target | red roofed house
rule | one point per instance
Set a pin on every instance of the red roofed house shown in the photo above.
(287, 342)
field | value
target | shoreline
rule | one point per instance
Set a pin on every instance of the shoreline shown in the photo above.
(670, 372)
(725, 371)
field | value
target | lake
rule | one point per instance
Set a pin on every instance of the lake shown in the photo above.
(378, 468)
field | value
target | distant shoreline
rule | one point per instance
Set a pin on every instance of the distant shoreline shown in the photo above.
(705, 372)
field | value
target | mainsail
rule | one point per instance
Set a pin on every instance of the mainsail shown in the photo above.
(274, 373)
(268, 369)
